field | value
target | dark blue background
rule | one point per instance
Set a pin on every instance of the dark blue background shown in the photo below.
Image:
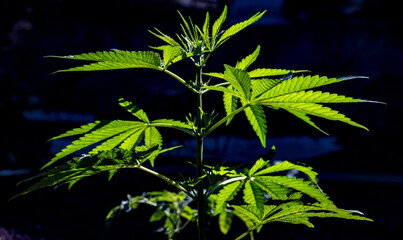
(358, 169)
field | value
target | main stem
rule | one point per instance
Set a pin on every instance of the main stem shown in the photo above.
(199, 161)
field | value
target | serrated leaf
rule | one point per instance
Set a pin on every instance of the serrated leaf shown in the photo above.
(261, 86)
(303, 116)
(217, 26)
(285, 166)
(258, 165)
(298, 184)
(271, 72)
(257, 120)
(239, 79)
(308, 97)
(225, 221)
(152, 136)
(134, 139)
(214, 74)
(164, 37)
(254, 195)
(173, 122)
(170, 54)
(230, 103)
(247, 61)
(276, 192)
(133, 109)
(116, 59)
(238, 27)
(227, 193)
(248, 212)
(83, 129)
(297, 84)
(318, 111)
(107, 131)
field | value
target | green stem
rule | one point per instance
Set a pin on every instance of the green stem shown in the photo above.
(165, 178)
(223, 120)
(199, 161)
(180, 80)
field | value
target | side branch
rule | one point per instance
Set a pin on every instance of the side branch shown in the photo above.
(179, 79)
(223, 120)
(170, 181)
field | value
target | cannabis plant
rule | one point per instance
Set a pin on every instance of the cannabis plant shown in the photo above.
(257, 195)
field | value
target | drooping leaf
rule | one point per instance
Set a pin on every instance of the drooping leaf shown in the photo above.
(227, 193)
(257, 120)
(116, 59)
(225, 221)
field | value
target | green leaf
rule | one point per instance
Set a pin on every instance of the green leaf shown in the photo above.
(298, 184)
(227, 193)
(261, 86)
(107, 131)
(246, 62)
(276, 192)
(165, 37)
(254, 195)
(225, 221)
(206, 31)
(152, 136)
(133, 140)
(226, 90)
(237, 28)
(172, 122)
(217, 26)
(171, 54)
(285, 166)
(257, 120)
(213, 74)
(133, 109)
(116, 59)
(270, 72)
(319, 111)
(230, 102)
(239, 79)
(83, 129)
(296, 84)
(308, 97)
(258, 165)
(303, 116)
(247, 212)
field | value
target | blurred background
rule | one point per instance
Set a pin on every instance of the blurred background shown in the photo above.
(358, 169)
